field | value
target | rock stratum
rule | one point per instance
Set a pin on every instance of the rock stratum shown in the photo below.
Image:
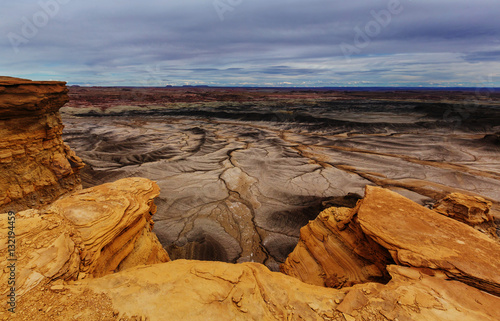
(93, 232)
(346, 246)
(333, 251)
(36, 167)
(472, 210)
(92, 255)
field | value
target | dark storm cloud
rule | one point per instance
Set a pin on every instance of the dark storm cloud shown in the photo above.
(252, 42)
(285, 70)
(483, 56)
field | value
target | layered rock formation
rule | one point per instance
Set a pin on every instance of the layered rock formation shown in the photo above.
(433, 247)
(333, 251)
(93, 232)
(417, 236)
(36, 166)
(472, 210)
(386, 222)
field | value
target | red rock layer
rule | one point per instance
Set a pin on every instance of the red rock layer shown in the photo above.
(36, 167)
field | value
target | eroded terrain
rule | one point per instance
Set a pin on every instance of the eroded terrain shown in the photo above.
(241, 172)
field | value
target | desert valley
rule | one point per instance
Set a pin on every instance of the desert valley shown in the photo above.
(200, 203)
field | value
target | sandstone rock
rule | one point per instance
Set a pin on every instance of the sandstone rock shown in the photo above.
(36, 167)
(333, 251)
(472, 210)
(26, 98)
(415, 295)
(194, 290)
(93, 232)
(68, 252)
(419, 237)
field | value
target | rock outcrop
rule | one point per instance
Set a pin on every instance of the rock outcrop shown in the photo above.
(418, 295)
(472, 210)
(36, 167)
(92, 255)
(419, 237)
(194, 290)
(352, 243)
(333, 251)
(91, 233)
(54, 256)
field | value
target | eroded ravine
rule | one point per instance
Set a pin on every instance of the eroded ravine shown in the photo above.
(240, 191)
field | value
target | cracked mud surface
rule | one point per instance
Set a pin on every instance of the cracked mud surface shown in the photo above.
(238, 182)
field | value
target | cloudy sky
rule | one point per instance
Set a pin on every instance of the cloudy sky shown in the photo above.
(253, 42)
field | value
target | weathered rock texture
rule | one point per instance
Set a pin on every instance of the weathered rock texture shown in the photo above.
(344, 246)
(418, 295)
(36, 166)
(333, 251)
(430, 244)
(419, 237)
(93, 232)
(194, 290)
(67, 253)
(472, 210)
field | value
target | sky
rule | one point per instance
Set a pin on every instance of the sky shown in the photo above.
(307, 43)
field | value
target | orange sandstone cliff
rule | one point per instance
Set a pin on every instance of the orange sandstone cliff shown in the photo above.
(354, 247)
(333, 251)
(36, 166)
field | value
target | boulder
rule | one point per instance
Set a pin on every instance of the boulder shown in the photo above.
(472, 210)
(419, 237)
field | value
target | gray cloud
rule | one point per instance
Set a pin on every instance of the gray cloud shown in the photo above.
(483, 56)
(441, 42)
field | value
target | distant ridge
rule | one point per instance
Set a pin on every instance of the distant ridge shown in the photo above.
(364, 89)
